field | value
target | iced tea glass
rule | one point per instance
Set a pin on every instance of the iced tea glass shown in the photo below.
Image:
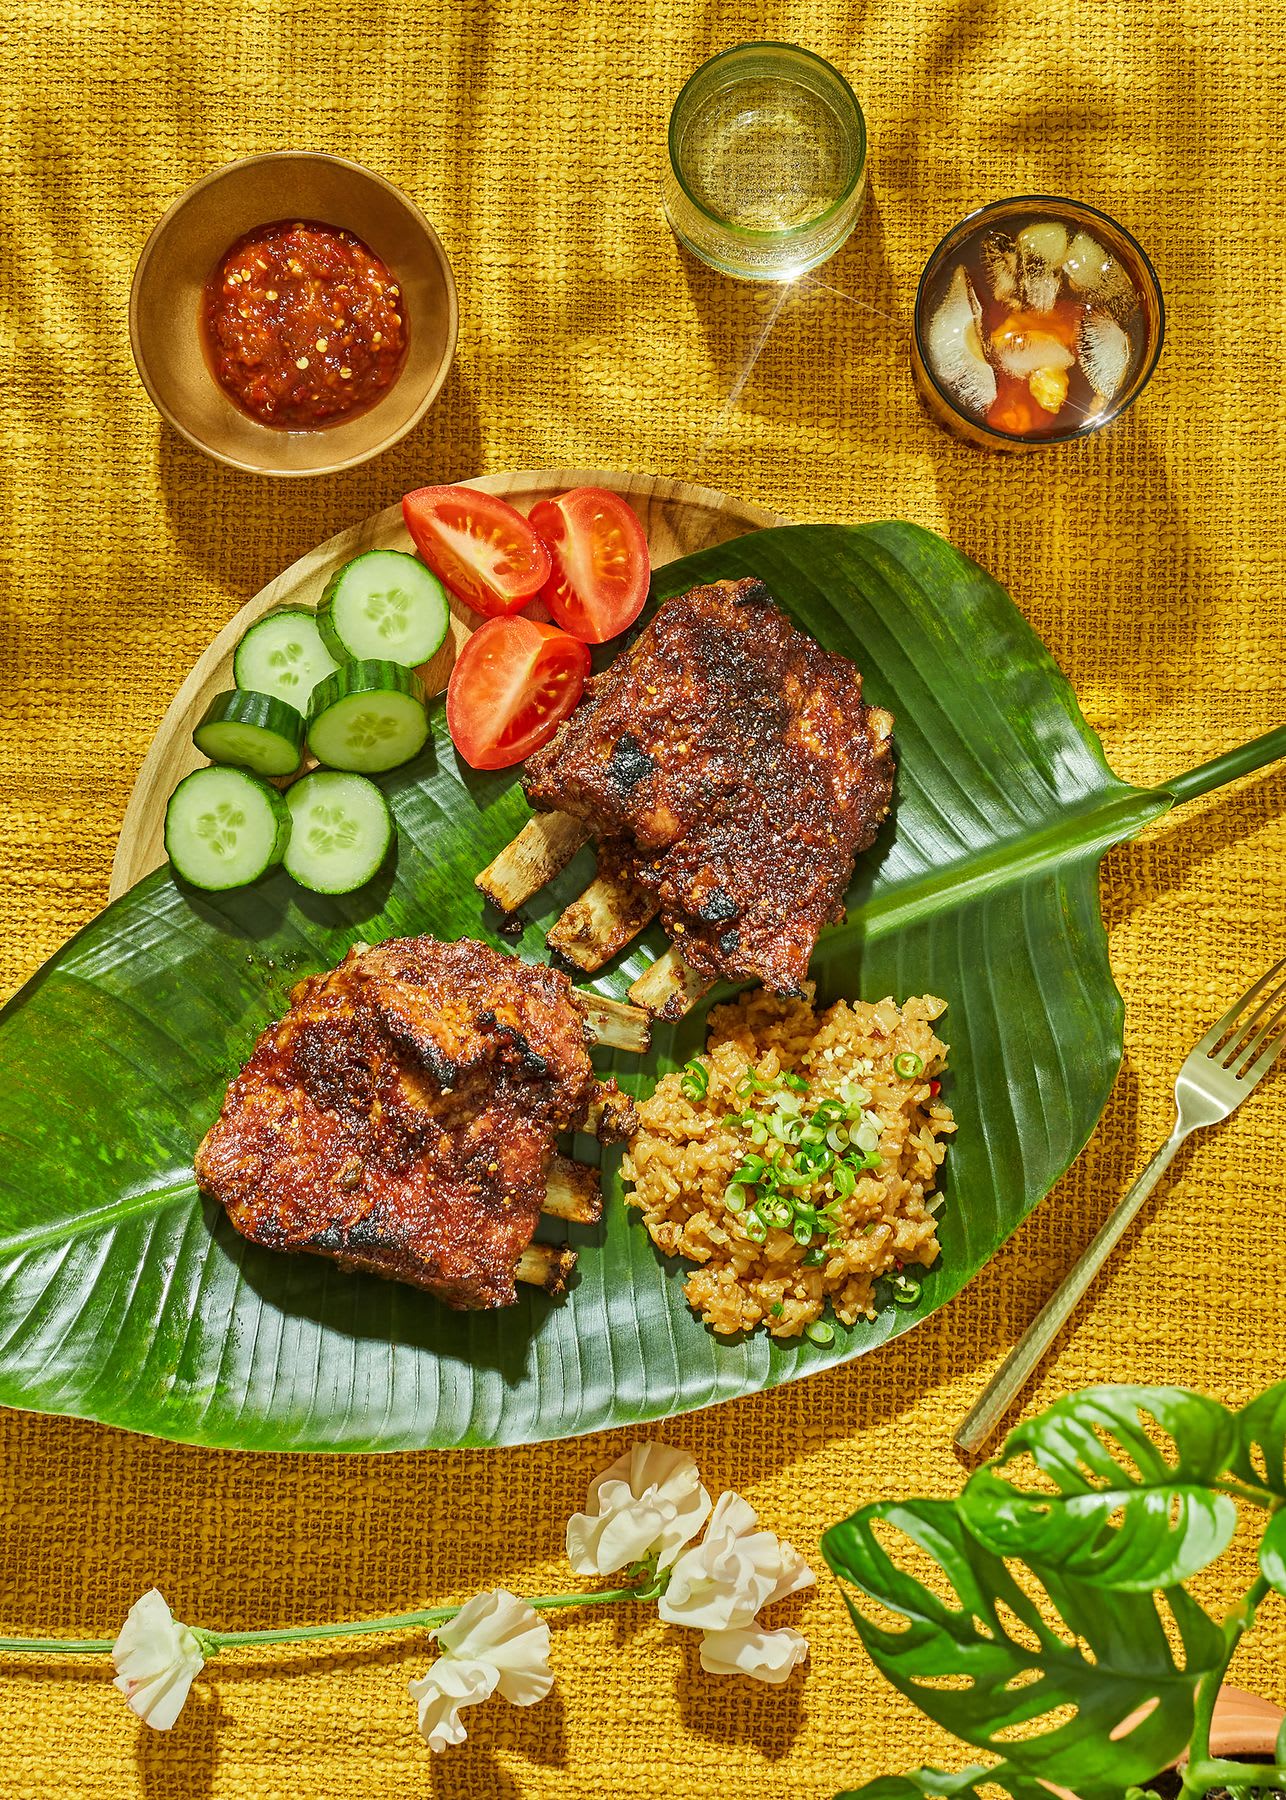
(1037, 321)
(767, 164)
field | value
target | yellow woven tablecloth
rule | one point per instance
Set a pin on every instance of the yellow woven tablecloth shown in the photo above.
(1150, 560)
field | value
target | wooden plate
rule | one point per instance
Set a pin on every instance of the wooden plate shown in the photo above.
(677, 518)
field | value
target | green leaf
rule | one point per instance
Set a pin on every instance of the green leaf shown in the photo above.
(983, 1783)
(1261, 1441)
(123, 1297)
(1086, 1489)
(1272, 1553)
(1042, 1672)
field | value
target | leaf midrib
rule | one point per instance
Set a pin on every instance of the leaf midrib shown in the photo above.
(155, 1197)
(1095, 829)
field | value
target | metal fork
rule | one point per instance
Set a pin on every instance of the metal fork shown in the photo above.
(1219, 1072)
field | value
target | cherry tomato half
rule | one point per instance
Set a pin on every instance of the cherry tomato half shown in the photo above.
(600, 562)
(513, 684)
(484, 551)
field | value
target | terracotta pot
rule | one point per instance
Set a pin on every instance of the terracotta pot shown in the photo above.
(1244, 1725)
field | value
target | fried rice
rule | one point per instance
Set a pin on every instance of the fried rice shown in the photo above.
(687, 1149)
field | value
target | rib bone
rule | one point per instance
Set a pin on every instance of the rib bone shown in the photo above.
(615, 1022)
(670, 987)
(611, 911)
(545, 845)
(547, 1266)
(572, 1192)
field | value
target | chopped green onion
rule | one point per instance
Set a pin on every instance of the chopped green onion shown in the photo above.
(752, 1167)
(812, 1134)
(795, 1083)
(734, 1197)
(828, 1112)
(775, 1212)
(753, 1227)
(694, 1080)
(905, 1291)
(749, 1084)
(837, 1138)
(843, 1180)
(820, 1332)
(866, 1138)
(909, 1065)
(852, 1094)
(758, 1134)
(815, 1258)
(777, 1310)
(802, 1230)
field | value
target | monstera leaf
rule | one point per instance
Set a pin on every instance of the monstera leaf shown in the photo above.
(1109, 1503)
(1065, 1688)
(125, 1297)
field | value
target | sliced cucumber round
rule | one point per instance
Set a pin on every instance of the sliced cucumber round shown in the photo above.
(253, 731)
(384, 604)
(225, 828)
(341, 828)
(367, 717)
(282, 654)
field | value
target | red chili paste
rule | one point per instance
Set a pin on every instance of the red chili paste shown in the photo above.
(304, 325)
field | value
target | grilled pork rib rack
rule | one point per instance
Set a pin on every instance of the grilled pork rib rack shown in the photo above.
(402, 1117)
(731, 772)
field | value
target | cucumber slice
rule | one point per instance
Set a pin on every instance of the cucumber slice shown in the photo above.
(282, 654)
(341, 829)
(367, 717)
(224, 828)
(384, 604)
(254, 731)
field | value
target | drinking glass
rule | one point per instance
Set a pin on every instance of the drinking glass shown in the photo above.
(1125, 309)
(767, 164)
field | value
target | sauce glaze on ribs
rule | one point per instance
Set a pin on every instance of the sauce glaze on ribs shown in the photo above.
(401, 1117)
(731, 765)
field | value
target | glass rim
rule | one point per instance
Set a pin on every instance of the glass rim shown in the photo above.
(1088, 426)
(784, 232)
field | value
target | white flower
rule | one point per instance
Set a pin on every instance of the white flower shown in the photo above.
(649, 1503)
(157, 1659)
(721, 1583)
(496, 1641)
(765, 1655)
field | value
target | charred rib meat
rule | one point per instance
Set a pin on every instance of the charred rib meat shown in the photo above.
(401, 1118)
(732, 765)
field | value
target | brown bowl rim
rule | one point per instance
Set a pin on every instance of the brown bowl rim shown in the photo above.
(158, 231)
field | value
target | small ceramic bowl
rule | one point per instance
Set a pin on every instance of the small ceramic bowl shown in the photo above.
(180, 255)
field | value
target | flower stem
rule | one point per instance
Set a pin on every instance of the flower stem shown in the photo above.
(213, 1641)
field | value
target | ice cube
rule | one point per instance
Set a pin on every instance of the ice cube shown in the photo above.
(1044, 242)
(1021, 350)
(1096, 273)
(955, 345)
(1105, 353)
(1000, 261)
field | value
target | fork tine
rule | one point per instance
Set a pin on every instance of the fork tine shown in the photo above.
(1264, 1061)
(1239, 1040)
(1212, 1037)
(1249, 1052)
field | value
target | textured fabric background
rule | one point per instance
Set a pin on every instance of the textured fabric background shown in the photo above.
(1150, 559)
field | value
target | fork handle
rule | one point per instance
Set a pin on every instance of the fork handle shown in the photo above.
(1016, 1370)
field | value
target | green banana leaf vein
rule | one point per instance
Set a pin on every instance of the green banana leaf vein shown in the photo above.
(126, 1297)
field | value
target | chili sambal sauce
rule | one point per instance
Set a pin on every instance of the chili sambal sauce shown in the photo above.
(304, 325)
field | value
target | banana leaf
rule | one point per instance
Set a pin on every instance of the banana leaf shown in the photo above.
(126, 1297)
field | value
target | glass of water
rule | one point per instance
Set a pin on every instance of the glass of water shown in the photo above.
(767, 167)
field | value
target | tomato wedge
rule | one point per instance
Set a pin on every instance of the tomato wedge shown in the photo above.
(600, 562)
(484, 551)
(513, 684)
